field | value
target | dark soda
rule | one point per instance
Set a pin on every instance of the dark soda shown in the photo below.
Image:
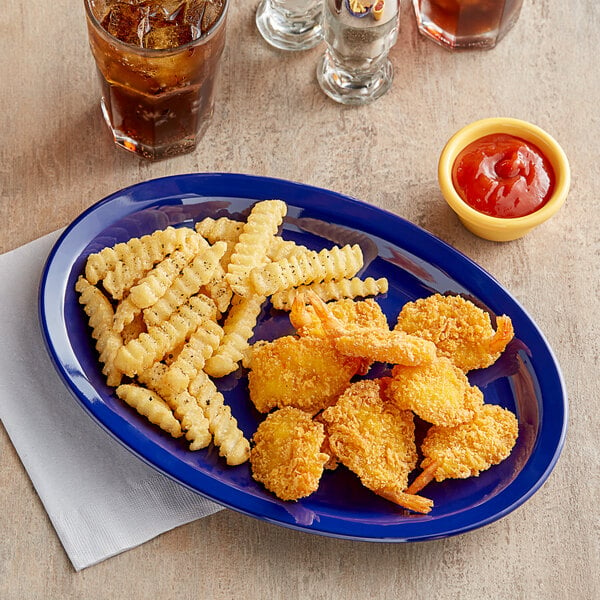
(158, 62)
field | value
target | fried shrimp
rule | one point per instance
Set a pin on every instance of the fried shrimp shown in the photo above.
(374, 343)
(460, 330)
(286, 457)
(376, 441)
(308, 373)
(362, 313)
(467, 449)
(438, 392)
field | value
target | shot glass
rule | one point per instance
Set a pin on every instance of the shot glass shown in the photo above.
(355, 68)
(464, 24)
(157, 69)
(290, 24)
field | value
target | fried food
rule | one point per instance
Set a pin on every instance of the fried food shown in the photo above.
(286, 457)
(438, 392)
(227, 436)
(251, 248)
(467, 449)
(460, 330)
(238, 329)
(376, 441)
(307, 373)
(152, 406)
(100, 319)
(372, 342)
(305, 268)
(353, 287)
(363, 313)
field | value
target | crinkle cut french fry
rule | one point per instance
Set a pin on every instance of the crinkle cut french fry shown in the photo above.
(119, 268)
(222, 229)
(151, 346)
(187, 411)
(332, 290)
(251, 249)
(281, 248)
(100, 318)
(218, 289)
(192, 418)
(192, 358)
(238, 327)
(192, 277)
(302, 269)
(152, 406)
(154, 284)
(160, 278)
(228, 437)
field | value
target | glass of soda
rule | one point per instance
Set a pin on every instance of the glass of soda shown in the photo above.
(464, 24)
(157, 61)
(355, 68)
(290, 24)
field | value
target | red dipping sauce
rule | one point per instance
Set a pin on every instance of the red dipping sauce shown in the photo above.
(503, 176)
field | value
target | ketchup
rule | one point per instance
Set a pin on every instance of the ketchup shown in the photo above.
(503, 176)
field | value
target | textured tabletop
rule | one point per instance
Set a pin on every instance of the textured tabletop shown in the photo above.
(271, 119)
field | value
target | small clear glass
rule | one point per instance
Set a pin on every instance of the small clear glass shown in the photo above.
(355, 68)
(465, 24)
(290, 24)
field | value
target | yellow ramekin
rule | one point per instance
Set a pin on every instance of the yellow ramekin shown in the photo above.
(495, 228)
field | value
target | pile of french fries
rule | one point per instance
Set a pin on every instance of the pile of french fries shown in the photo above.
(174, 310)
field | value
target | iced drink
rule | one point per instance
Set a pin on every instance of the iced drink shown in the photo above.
(157, 61)
(466, 23)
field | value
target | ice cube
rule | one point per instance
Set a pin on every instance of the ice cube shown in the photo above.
(211, 14)
(127, 22)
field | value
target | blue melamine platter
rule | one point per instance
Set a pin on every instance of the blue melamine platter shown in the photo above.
(526, 379)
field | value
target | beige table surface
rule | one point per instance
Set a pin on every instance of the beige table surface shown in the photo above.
(56, 159)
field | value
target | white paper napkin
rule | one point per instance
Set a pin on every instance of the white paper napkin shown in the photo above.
(100, 498)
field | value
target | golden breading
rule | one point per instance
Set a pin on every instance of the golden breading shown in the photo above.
(467, 449)
(308, 373)
(364, 313)
(382, 345)
(286, 457)
(364, 339)
(460, 330)
(438, 392)
(332, 290)
(375, 440)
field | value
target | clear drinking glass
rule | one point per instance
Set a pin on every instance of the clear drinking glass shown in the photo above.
(463, 24)
(355, 68)
(290, 24)
(157, 63)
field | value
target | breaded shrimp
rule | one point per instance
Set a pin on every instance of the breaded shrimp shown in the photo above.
(286, 457)
(467, 449)
(373, 343)
(308, 373)
(460, 330)
(375, 440)
(364, 313)
(438, 392)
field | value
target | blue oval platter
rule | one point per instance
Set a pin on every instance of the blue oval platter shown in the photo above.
(526, 379)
